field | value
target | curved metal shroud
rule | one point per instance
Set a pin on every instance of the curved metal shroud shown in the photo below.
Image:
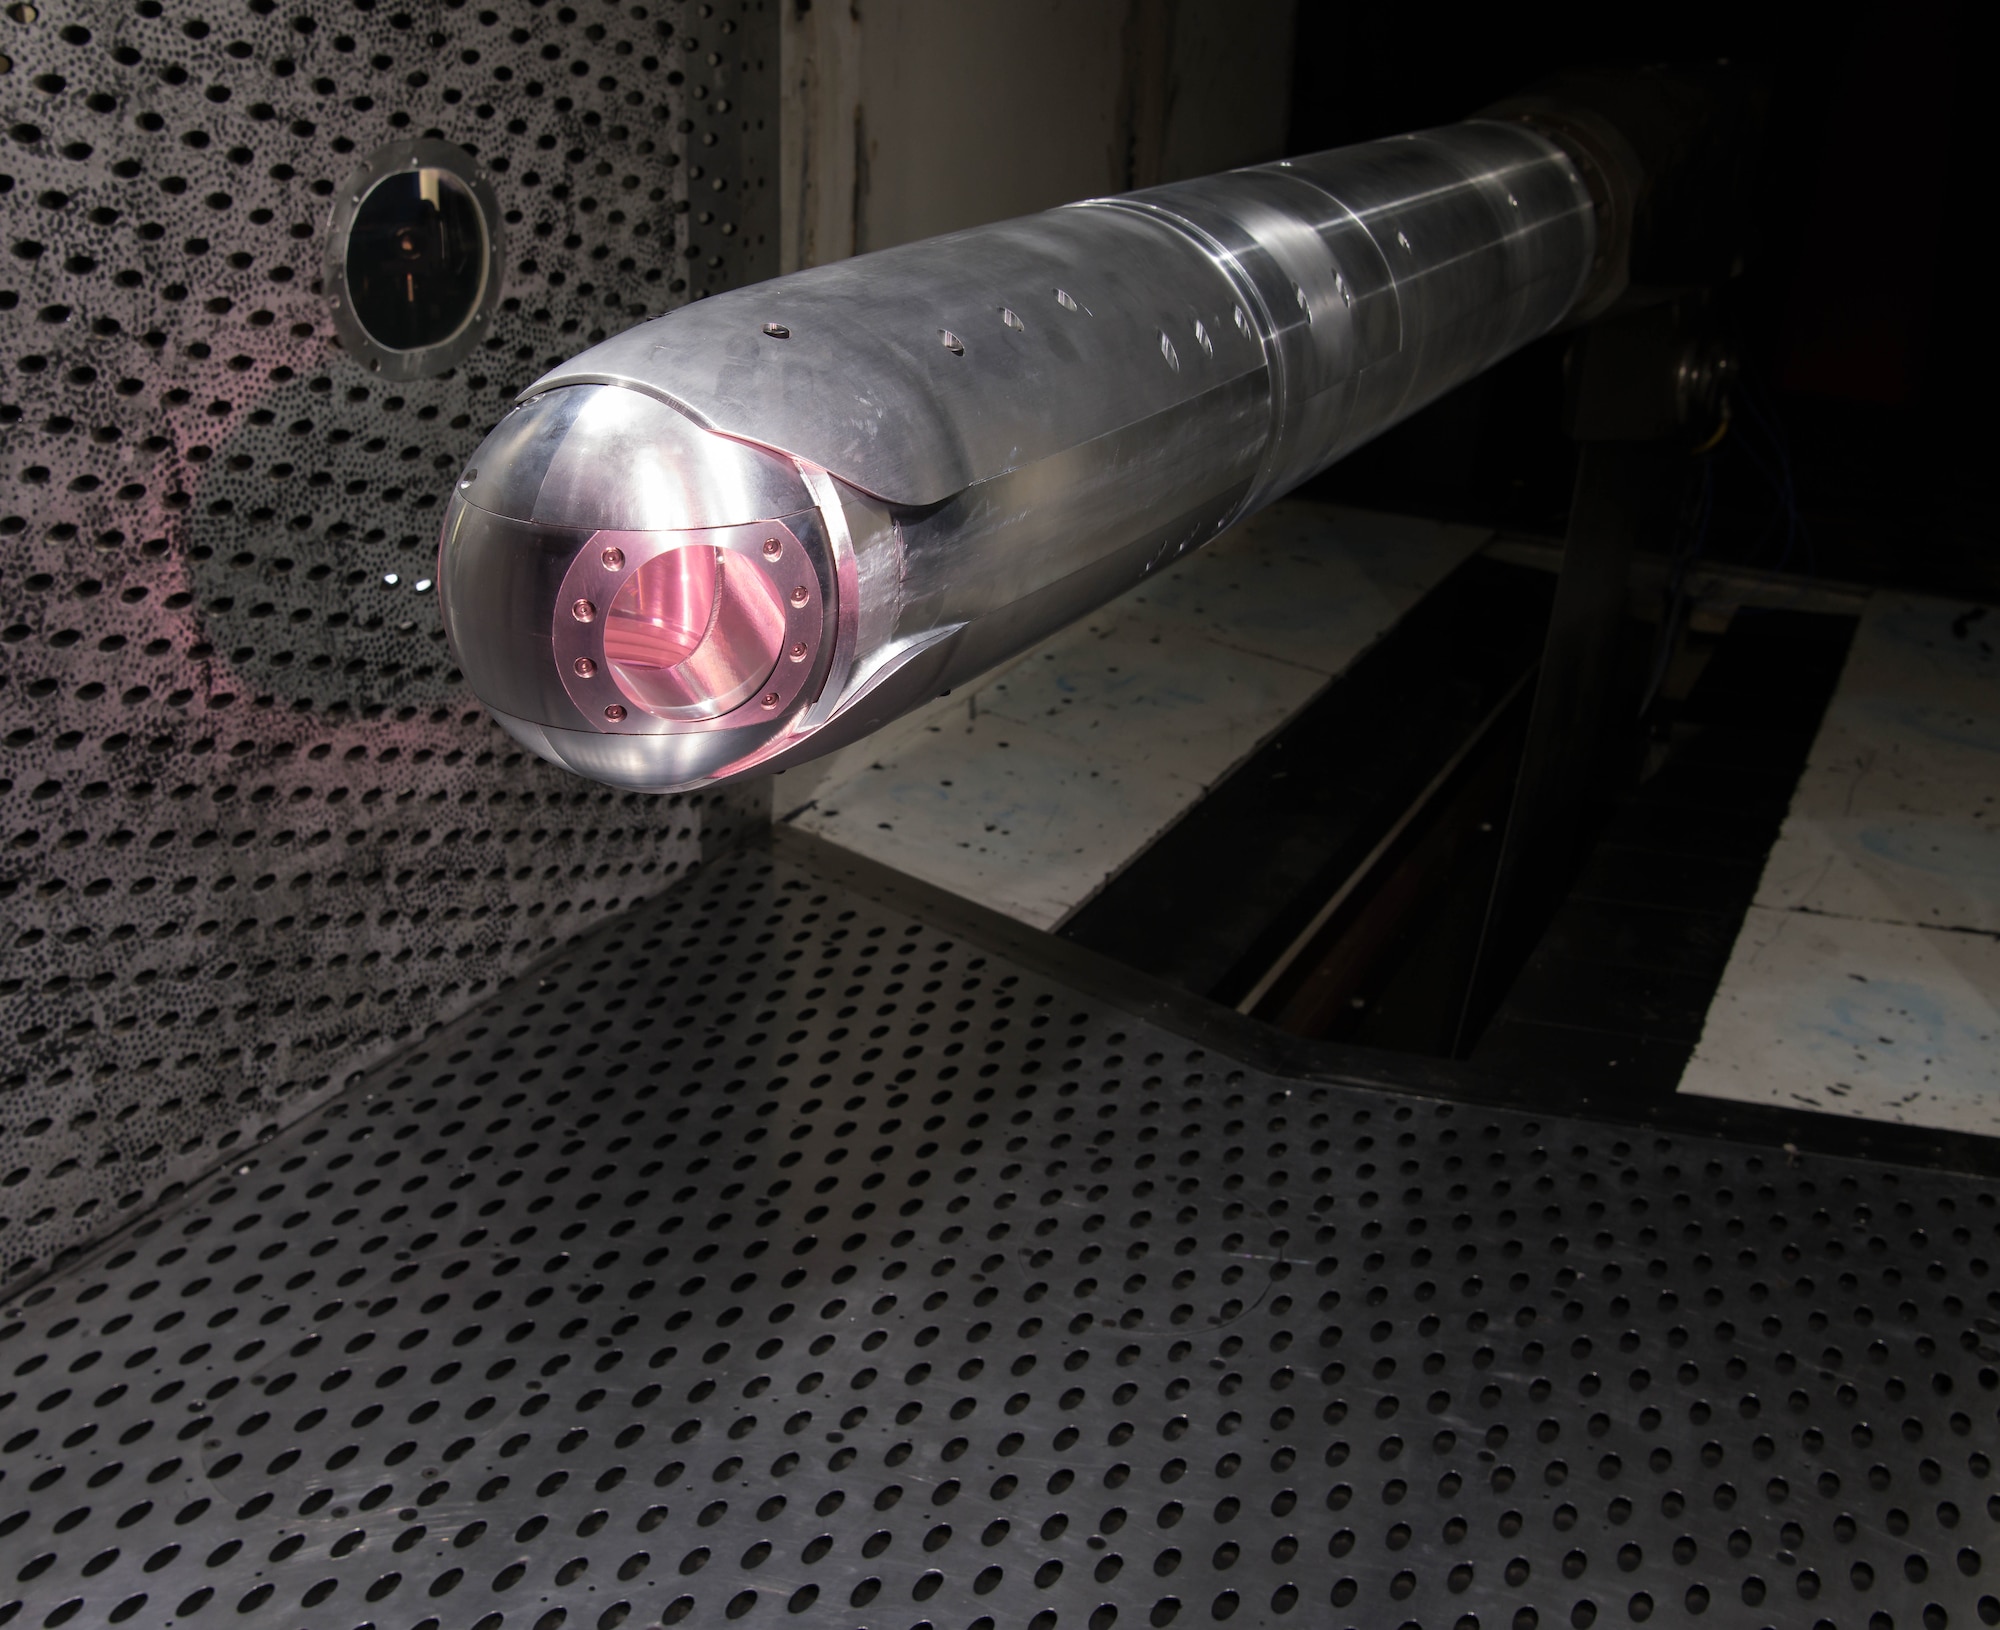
(1007, 426)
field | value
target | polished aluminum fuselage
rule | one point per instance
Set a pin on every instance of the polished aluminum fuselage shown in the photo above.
(981, 437)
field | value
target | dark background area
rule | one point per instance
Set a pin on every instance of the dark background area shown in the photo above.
(1858, 434)
(1565, 907)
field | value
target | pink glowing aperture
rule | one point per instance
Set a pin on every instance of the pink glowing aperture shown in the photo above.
(694, 632)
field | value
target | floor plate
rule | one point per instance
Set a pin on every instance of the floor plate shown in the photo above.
(1866, 978)
(778, 1255)
(1030, 787)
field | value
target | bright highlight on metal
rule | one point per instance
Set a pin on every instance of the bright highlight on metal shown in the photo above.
(943, 489)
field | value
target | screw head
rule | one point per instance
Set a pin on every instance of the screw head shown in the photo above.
(583, 611)
(798, 652)
(584, 667)
(777, 331)
(614, 712)
(614, 559)
(772, 548)
(800, 596)
(768, 699)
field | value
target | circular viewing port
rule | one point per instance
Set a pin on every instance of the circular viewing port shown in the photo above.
(694, 632)
(413, 259)
(416, 259)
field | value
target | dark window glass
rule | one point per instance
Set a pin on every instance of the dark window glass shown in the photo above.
(416, 259)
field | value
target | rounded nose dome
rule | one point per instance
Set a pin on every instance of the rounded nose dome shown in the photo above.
(604, 456)
(556, 471)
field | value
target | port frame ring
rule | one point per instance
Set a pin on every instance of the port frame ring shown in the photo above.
(425, 361)
(590, 580)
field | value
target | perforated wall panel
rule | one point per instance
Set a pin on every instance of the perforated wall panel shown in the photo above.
(255, 828)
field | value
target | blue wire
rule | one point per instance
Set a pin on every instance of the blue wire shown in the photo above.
(1770, 423)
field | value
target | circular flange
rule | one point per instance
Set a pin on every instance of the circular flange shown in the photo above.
(413, 258)
(612, 559)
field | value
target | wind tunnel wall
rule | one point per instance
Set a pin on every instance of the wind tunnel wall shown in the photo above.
(254, 829)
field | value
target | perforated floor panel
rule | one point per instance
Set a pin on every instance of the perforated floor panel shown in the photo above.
(781, 1256)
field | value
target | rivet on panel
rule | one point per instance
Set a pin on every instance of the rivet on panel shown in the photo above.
(583, 611)
(614, 712)
(614, 560)
(584, 667)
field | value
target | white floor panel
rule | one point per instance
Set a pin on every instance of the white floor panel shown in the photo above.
(1147, 693)
(1016, 817)
(1866, 979)
(1115, 726)
(1313, 584)
(1883, 1020)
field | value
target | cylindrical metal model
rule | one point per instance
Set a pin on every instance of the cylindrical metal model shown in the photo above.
(755, 529)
